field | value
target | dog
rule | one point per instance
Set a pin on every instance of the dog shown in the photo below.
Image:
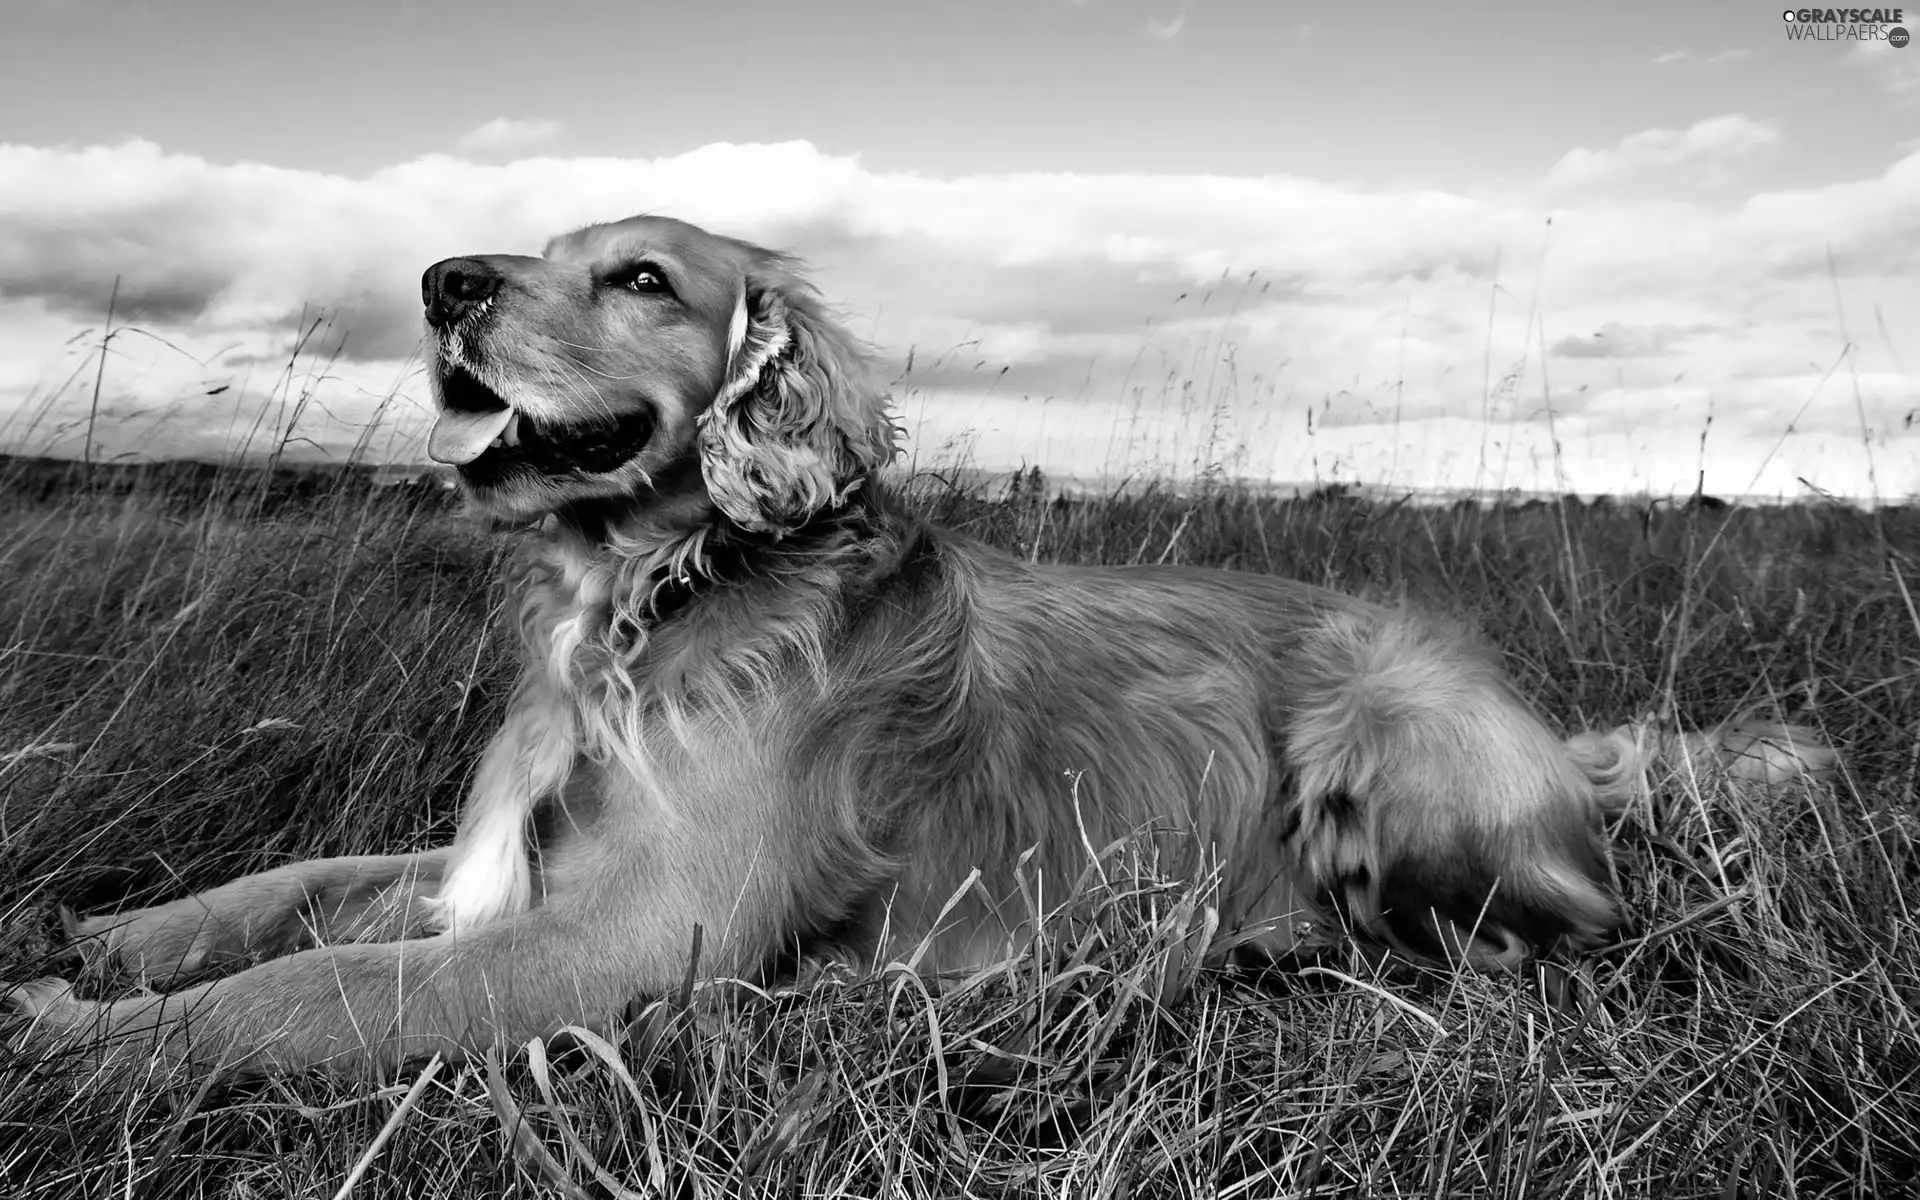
(765, 705)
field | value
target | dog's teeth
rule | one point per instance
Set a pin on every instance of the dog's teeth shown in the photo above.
(510, 436)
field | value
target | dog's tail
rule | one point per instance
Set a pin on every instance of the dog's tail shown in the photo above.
(1432, 809)
(1629, 764)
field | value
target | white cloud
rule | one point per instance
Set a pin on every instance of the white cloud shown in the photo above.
(1710, 144)
(503, 136)
(1672, 57)
(1897, 70)
(1087, 322)
(1166, 28)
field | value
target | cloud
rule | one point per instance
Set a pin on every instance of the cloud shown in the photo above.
(1672, 57)
(1614, 340)
(1704, 148)
(1897, 70)
(503, 136)
(1166, 28)
(1082, 316)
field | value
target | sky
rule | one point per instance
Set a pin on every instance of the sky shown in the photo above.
(1543, 246)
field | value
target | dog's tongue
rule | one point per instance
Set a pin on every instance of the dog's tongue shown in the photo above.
(461, 437)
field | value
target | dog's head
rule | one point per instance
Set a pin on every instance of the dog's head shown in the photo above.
(649, 362)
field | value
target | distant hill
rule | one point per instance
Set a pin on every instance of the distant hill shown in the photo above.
(42, 478)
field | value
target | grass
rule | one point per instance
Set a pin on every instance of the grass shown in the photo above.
(208, 677)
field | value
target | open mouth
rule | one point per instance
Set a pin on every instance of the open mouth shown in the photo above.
(489, 440)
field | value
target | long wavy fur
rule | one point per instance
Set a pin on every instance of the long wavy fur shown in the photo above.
(763, 698)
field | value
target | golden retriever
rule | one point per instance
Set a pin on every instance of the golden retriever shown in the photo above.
(762, 700)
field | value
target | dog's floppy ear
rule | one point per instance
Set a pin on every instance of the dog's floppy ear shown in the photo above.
(799, 424)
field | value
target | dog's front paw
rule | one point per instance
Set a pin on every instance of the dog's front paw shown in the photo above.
(38, 997)
(158, 946)
(39, 1014)
(90, 952)
(98, 1046)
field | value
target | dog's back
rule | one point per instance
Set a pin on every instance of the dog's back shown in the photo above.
(1340, 762)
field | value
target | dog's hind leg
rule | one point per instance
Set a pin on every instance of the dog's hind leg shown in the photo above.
(263, 915)
(1434, 808)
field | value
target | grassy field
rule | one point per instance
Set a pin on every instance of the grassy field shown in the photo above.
(201, 677)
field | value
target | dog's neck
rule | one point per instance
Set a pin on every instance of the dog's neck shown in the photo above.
(619, 578)
(730, 556)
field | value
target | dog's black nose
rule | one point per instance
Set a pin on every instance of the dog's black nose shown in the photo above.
(454, 287)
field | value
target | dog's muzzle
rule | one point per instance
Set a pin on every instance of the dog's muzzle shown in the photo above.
(454, 288)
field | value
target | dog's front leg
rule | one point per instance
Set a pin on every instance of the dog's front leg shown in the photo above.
(377, 897)
(362, 1008)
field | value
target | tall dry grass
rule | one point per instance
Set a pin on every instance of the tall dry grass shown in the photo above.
(205, 677)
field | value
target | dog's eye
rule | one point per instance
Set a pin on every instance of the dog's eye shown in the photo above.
(644, 278)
